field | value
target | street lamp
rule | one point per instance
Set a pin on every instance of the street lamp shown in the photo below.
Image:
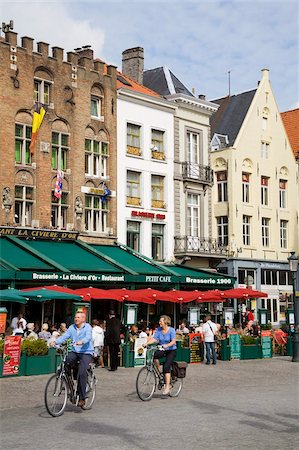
(293, 267)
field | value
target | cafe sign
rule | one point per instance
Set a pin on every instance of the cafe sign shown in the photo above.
(34, 233)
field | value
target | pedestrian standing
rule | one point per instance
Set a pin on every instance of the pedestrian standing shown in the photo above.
(112, 339)
(209, 331)
(18, 325)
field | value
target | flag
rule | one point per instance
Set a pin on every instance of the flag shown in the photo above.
(38, 116)
(106, 192)
(58, 185)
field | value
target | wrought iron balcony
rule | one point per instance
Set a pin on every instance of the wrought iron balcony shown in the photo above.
(201, 246)
(197, 172)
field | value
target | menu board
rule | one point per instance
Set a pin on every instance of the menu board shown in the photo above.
(235, 346)
(139, 351)
(266, 347)
(194, 343)
(11, 355)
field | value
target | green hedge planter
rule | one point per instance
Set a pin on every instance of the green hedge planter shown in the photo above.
(41, 365)
(252, 351)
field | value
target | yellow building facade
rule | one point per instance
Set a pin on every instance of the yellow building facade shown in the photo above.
(255, 195)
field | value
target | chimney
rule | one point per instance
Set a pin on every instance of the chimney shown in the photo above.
(85, 52)
(11, 38)
(133, 63)
(202, 97)
(265, 73)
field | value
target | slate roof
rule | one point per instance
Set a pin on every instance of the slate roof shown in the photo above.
(125, 82)
(231, 114)
(163, 81)
(291, 123)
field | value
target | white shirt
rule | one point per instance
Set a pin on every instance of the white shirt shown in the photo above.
(142, 334)
(18, 328)
(208, 333)
(97, 336)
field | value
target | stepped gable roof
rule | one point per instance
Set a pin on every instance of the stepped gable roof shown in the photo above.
(125, 82)
(231, 114)
(162, 80)
(291, 123)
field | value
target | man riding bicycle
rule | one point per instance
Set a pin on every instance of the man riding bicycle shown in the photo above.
(80, 334)
(165, 336)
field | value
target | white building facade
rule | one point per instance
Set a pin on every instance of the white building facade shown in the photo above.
(145, 186)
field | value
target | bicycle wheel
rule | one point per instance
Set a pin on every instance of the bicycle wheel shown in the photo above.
(90, 391)
(56, 395)
(176, 385)
(145, 383)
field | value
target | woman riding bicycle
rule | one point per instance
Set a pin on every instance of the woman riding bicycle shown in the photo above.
(165, 336)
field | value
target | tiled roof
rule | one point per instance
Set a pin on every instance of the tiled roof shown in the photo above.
(162, 80)
(231, 114)
(125, 82)
(291, 123)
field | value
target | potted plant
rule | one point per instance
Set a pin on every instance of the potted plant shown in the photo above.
(250, 347)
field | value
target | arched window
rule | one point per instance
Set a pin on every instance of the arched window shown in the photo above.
(24, 198)
(96, 102)
(23, 130)
(43, 81)
(60, 146)
(96, 154)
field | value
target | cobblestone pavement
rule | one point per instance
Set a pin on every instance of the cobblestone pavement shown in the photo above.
(233, 405)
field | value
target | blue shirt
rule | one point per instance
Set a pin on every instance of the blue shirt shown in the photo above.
(76, 334)
(165, 338)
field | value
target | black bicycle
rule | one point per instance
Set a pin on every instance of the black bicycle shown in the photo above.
(150, 378)
(63, 385)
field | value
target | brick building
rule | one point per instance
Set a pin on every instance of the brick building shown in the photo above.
(77, 136)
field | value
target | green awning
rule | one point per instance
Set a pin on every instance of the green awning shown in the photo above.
(17, 256)
(202, 277)
(133, 260)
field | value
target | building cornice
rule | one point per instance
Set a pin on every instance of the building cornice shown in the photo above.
(192, 101)
(160, 102)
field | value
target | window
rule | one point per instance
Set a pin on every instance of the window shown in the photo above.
(245, 187)
(60, 149)
(265, 232)
(283, 278)
(22, 144)
(158, 242)
(222, 186)
(23, 205)
(158, 151)
(193, 205)
(265, 191)
(133, 188)
(96, 154)
(96, 214)
(133, 235)
(222, 228)
(282, 193)
(133, 139)
(269, 277)
(193, 147)
(264, 123)
(246, 276)
(265, 150)
(283, 234)
(59, 210)
(157, 184)
(96, 107)
(246, 230)
(42, 91)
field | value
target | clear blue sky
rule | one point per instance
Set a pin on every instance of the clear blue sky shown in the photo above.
(200, 41)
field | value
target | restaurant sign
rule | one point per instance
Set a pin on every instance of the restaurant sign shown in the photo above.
(35, 233)
(215, 281)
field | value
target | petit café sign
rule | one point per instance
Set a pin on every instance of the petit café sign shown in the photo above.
(148, 215)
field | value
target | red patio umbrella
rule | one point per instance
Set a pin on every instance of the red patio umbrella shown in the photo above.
(181, 296)
(213, 296)
(92, 293)
(241, 293)
(133, 295)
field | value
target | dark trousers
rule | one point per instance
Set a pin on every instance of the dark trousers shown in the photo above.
(210, 347)
(169, 358)
(84, 359)
(113, 351)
